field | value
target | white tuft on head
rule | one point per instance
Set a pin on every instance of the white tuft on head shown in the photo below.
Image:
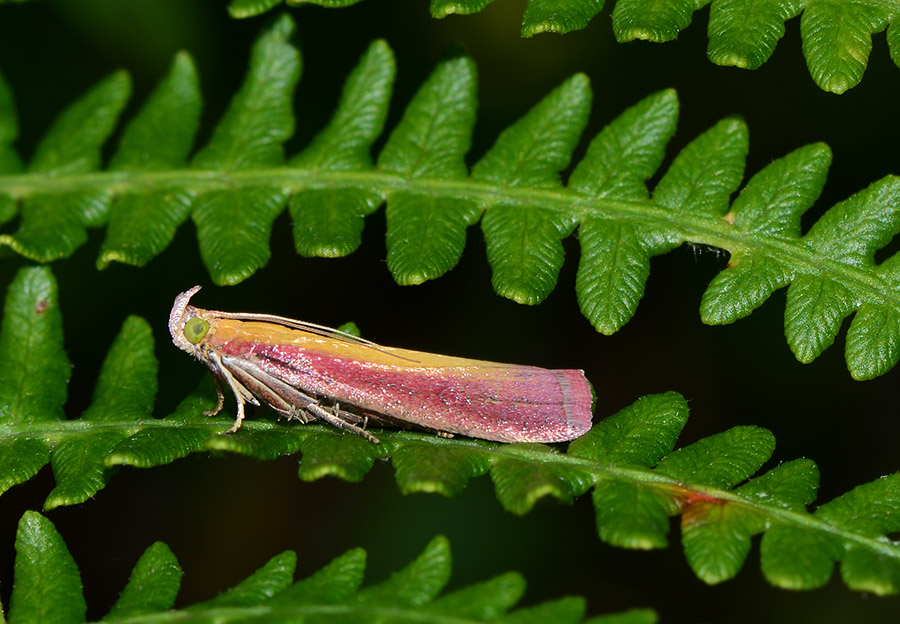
(179, 316)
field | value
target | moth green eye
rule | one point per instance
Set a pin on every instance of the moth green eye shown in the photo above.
(195, 329)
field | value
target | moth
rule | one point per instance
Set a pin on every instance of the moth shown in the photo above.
(308, 372)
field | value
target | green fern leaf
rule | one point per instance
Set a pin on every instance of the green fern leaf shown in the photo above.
(249, 8)
(443, 8)
(328, 222)
(47, 588)
(873, 340)
(744, 34)
(152, 587)
(484, 601)
(336, 582)
(426, 231)
(706, 172)
(154, 446)
(53, 225)
(238, 183)
(616, 260)
(31, 346)
(770, 204)
(47, 585)
(628, 150)
(656, 20)
(850, 233)
(524, 243)
(846, 238)
(124, 393)
(866, 569)
(234, 224)
(559, 16)
(263, 585)
(158, 139)
(893, 41)
(327, 456)
(445, 470)
(639, 479)
(34, 373)
(837, 40)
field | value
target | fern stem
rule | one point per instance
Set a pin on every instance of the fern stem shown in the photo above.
(52, 433)
(695, 229)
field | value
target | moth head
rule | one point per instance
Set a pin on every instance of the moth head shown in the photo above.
(186, 323)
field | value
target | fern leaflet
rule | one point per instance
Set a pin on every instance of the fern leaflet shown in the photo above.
(638, 479)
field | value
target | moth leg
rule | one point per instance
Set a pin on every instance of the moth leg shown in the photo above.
(336, 421)
(258, 387)
(255, 376)
(281, 397)
(241, 394)
(220, 399)
(350, 417)
(361, 420)
(288, 400)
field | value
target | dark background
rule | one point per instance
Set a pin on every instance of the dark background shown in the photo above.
(225, 516)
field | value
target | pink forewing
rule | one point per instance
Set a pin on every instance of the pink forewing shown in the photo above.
(502, 402)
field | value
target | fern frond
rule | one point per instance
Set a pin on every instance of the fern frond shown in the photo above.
(239, 182)
(638, 479)
(47, 588)
(837, 34)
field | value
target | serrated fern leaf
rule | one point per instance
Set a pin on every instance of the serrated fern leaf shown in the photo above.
(238, 183)
(524, 243)
(629, 460)
(47, 585)
(47, 589)
(234, 225)
(52, 225)
(153, 585)
(328, 222)
(159, 138)
(837, 34)
(155, 190)
(426, 231)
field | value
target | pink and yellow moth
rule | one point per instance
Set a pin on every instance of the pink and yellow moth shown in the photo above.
(308, 372)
